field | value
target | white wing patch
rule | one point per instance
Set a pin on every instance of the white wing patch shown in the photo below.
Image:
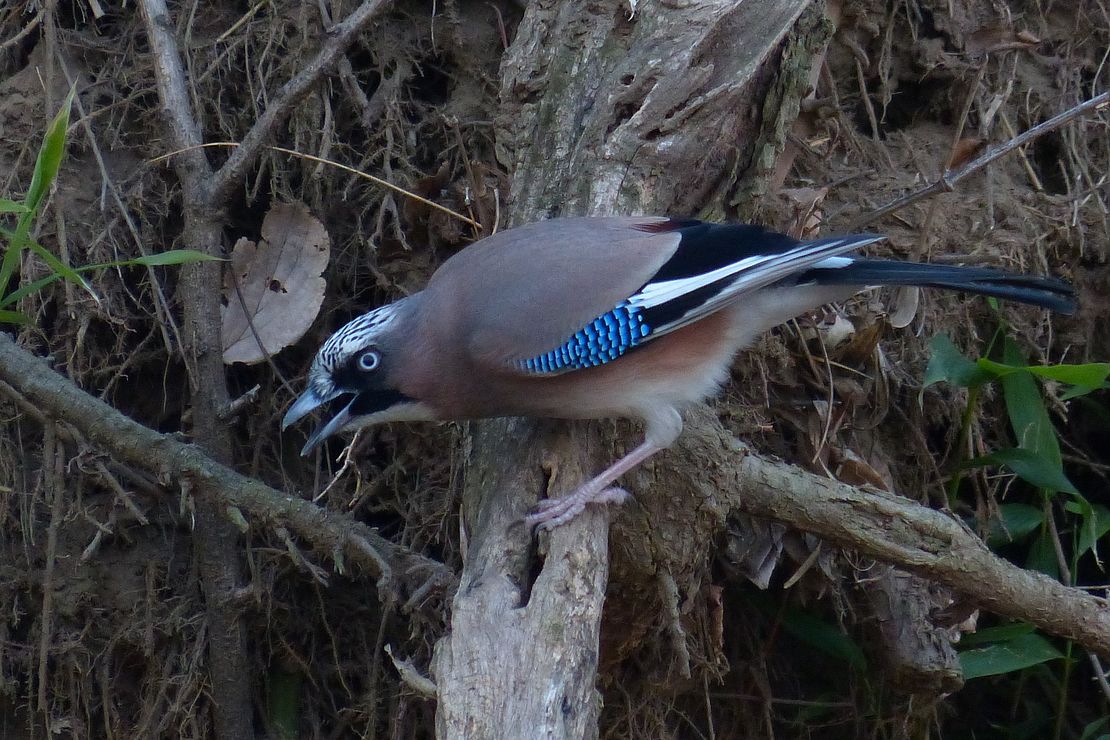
(749, 274)
(761, 266)
(833, 263)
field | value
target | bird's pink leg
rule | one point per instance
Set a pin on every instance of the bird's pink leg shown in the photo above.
(555, 511)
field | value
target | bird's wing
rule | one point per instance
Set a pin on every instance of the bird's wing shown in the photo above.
(522, 291)
(568, 294)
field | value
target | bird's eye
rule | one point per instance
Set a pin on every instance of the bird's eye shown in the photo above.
(369, 360)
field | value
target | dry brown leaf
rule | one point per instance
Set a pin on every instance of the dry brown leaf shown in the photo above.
(280, 288)
(806, 210)
(964, 151)
(855, 471)
(991, 39)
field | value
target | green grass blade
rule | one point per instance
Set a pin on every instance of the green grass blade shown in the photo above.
(46, 170)
(61, 268)
(11, 206)
(13, 317)
(171, 257)
(50, 156)
(26, 290)
(10, 261)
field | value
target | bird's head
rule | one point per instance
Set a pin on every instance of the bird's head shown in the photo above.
(356, 378)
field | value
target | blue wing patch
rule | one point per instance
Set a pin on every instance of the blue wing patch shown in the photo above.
(602, 340)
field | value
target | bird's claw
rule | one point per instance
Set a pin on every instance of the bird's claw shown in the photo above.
(552, 512)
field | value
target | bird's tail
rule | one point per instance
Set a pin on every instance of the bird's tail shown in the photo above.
(1048, 292)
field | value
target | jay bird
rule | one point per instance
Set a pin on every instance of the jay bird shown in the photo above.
(585, 318)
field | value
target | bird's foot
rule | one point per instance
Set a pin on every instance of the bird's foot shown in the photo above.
(552, 512)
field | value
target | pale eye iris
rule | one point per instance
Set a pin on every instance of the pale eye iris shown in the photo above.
(368, 360)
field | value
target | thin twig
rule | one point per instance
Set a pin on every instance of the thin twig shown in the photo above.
(239, 23)
(25, 30)
(176, 105)
(947, 182)
(338, 38)
(33, 385)
(161, 305)
(338, 165)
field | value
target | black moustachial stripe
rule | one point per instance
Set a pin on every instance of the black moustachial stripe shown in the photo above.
(372, 401)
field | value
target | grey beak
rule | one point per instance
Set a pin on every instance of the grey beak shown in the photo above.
(303, 406)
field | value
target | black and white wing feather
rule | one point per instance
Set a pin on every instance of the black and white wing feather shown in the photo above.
(712, 266)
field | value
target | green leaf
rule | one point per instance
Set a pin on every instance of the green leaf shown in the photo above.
(825, 637)
(10, 206)
(1042, 555)
(28, 289)
(1094, 523)
(1006, 657)
(1014, 521)
(947, 363)
(1001, 633)
(50, 155)
(13, 317)
(171, 257)
(1028, 417)
(1091, 374)
(17, 241)
(1090, 730)
(61, 268)
(1032, 467)
(284, 703)
(1080, 390)
(1083, 378)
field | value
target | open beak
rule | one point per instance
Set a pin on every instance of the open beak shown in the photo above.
(306, 404)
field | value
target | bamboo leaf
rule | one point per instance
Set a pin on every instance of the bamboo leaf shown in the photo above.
(1001, 633)
(1028, 417)
(1006, 657)
(1029, 465)
(825, 637)
(1014, 522)
(947, 363)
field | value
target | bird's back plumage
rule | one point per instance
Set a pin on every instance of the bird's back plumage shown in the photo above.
(595, 317)
(520, 292)
(571, 294)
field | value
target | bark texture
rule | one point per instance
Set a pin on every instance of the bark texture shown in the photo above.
(601, 113)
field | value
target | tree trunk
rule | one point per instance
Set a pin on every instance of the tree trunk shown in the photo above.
(602, 113)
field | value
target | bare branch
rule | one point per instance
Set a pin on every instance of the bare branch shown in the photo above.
(132, 443)
(948, 180)
(214, 537)
(885, 526)
(169, 71)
